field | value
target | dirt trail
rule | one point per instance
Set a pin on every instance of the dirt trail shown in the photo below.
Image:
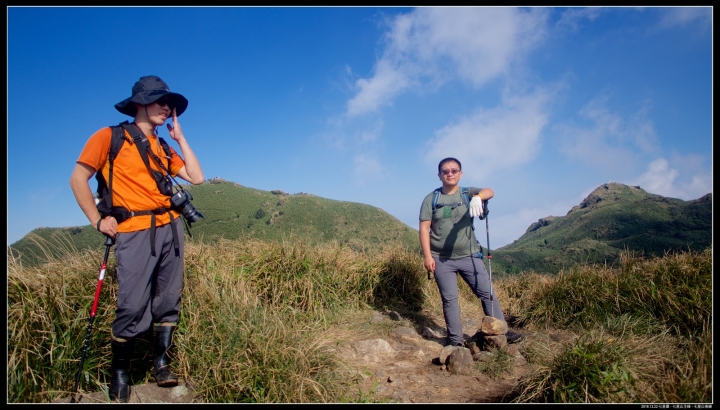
(411, 371)
(407, 372)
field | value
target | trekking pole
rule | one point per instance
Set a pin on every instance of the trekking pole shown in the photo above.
(108, 243)
(489, 256)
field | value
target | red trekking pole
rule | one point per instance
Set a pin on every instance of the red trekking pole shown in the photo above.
(108, 243)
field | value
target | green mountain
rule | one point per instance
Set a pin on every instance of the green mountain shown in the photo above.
(612, 218)
(234, 211)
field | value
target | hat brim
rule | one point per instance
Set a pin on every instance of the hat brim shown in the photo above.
(127, 106)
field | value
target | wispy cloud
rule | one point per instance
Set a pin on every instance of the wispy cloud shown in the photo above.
(609, 141)
(367, 168)
(388, 81)
(343, 134)
(573, 18)
(686, 17)
(429, 46)
(661, 178)
(497, 138)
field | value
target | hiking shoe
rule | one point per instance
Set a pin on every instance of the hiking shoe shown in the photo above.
(513, 337)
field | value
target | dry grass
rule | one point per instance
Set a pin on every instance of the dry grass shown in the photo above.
(251, 324)
(645, 331)
(260, 322)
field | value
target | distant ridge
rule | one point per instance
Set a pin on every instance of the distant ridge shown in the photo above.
(234, 211)
(612, 218)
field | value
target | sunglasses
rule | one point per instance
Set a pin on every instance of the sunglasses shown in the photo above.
(449, 171)
(164, 101)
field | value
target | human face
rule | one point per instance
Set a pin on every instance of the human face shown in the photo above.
(159, 111)
(450, 173)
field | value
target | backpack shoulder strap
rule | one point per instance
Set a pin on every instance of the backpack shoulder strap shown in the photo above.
(164, 146)
(139, 139)
(436, 195)
(116, 142)
(104, 188)
(166, 149)
(465, 196)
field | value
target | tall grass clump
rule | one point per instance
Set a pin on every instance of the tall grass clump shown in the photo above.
(645, 328)
(599, 368)
(48, 310)
(251, 329)
(674, 291)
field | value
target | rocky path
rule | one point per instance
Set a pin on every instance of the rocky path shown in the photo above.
(409, 366)
(400, 364)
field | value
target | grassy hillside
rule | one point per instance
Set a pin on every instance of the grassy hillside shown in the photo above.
(233, 211)
(260, 322)
(611, 219)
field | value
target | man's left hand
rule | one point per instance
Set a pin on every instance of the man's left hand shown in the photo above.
(174, 129)
(476, 207)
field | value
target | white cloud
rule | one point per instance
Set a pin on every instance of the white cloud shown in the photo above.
(662, 179)
(344, 135)
(658, 178)
(430, 46)
(502, 137)
(610, 141)
(694, 17)
(641, 130)
(572, 18)
(379, 90)
(367, 168)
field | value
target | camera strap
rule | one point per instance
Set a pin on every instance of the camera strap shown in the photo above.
(143, 146)
(141, 140)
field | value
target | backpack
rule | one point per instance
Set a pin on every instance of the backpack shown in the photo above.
(465, 201)
(104, 188)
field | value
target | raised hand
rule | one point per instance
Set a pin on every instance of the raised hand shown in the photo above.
(175, 130)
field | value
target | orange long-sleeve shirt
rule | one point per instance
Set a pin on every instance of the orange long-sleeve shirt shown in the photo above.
(133, 186)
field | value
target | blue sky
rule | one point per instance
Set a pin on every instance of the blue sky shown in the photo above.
(360, 103)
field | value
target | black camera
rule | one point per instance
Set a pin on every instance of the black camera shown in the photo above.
(181, 202)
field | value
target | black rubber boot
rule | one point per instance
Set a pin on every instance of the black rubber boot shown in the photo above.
(162, 336)
(120, 381)
(513, 337)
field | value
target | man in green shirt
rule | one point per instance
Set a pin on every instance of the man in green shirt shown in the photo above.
(449, 248)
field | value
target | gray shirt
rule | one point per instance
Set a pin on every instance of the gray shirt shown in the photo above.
(451, 232)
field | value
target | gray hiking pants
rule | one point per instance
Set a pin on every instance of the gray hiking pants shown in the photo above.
(149, 287)
(472, 271)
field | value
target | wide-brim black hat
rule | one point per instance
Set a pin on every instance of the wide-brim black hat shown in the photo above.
(148, 90)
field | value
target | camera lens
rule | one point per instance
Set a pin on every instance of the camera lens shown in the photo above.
(190, 213)
(181, 201)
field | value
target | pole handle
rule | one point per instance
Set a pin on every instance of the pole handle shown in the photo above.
(109, 241)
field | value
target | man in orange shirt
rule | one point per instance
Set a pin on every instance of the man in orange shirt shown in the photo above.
(149, 244)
